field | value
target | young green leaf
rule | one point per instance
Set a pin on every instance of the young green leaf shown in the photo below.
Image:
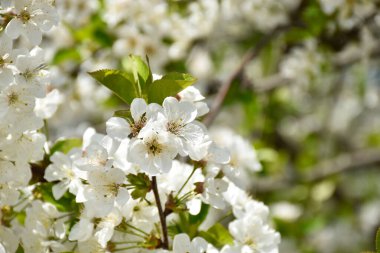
(66, 54)
(141, 71)
(141, 185)
(65, 145)
(217, 235)
(169, 86)
(201, 216)
(120, 82)
(125, 114)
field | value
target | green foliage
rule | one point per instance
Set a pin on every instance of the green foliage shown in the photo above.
(66, 54)
(141, 185)
(65, 145)
(217, 235)
(95, 31)
(125, 114)
(169, 85)
(140, 70)
(65, 204)
(20, 249)
(120, 82)
(136, 81)
(188, 223)
(201, 216)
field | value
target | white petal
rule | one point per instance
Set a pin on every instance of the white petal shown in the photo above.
(60, 229)
(138, 108)
(163, 162)
(193, 133)
(2, 249)
(104, 235)
(6, 44)
(136, 152)
(23, 63)
(14, 28)
(194, 206)
(218, 155)
(197, 151)
(202, 108)
(199, 245)
(33, 33)
(181, 243)
(188, 111)
(81, 231)
(170, 105)
(60, 189)
(118, 128)
(122, 197)
(6, 77)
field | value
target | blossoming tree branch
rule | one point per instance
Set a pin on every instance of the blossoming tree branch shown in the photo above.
(155, 181)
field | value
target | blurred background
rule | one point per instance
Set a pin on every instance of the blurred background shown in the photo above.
(299, 79)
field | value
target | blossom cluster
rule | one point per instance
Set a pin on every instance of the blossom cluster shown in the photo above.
(24, 102)
(155, 182)
(117, 213)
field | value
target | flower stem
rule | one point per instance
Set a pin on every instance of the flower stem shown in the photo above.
(184, 184)
(139, 230)
(165, 241)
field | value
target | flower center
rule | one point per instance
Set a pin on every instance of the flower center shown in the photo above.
(154, 147)
(174, 127)
(24, 16)
(137, 126)
(28, 74)
(249, 241)
(12, 98)
(112, 190)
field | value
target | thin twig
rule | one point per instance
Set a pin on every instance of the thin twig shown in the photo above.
(165, 239)
(251, 54)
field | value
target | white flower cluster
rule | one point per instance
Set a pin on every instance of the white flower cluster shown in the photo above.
(349, 13)
(302, 64)
(23, 85)
(144, 33)
(264, 15)
(101, 175)
(123, 191)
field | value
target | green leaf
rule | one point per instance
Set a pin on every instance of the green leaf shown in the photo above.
(169, 86)
(96, 31)
(120, 82)
(65, 204)
(125, 114)
(66, 54)
(141, 71)
(217, 235)
(201, 216)
(20, 249)
(378, 241)
(65, 145)
(141, 185)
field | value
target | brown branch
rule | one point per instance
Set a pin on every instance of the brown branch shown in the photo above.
(251, 54)
(165, 239)
(341, 164)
